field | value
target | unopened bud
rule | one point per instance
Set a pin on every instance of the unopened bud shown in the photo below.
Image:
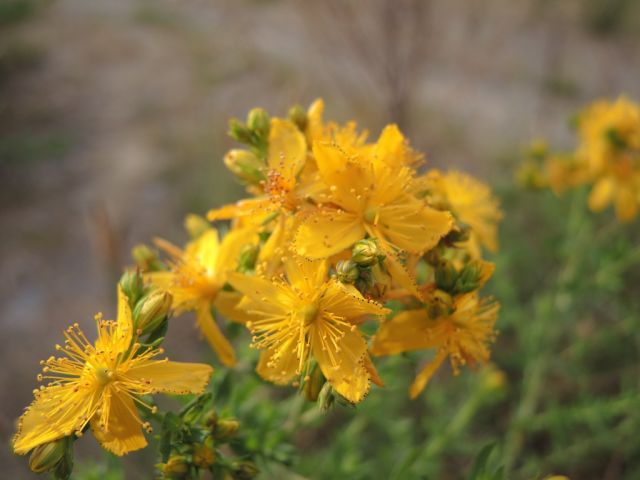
(47, 456)
(313, 385)
(259, 122)
(196, 225)
(492, 378)
(176, 467)
(298, 116)
(445, 276)
(211, 420)
(204, 455)
(469, 277)
(244, 470)
(326, 398)
(145, 258)
(132, 285)
(225, 429)
(239, 131)
(366, 252)
(248, 257)
(151, 310)
(245, 165)
(347, 271)
(440, 303)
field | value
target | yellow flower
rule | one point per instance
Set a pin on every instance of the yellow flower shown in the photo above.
(101, 385)
(319, 131)
(196, 279)
(463, 336)
(305, 318)
(473, 203)
(369, 194)
(620, 187)
(286, 158)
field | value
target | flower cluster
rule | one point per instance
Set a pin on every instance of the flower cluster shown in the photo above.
(607, 158)
(336, 229)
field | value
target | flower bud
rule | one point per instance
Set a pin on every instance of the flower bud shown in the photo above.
(238, 131)
(204, 455)
(225, 429)
(132, 285)
(259, 122)
(298, 116)
(196, 225)
(211, 420)
(176, 467)
(47, 456)
(440, 304)
(248, 257)
(347, 271)
(492, 379)
(245, 165)
(326, 397)
(244, 470)
(445, 275)
(145, 258)
(469, 277)
(365, 253)
(313, 385)
(151, 310)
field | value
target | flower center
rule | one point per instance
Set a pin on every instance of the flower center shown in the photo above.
(309, 314)
(103, 375)
(371, 215)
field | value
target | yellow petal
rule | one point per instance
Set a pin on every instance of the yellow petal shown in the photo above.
(177, 378)
(413, 226)
(56, 412)
(397, 268)
(214, 336)
(327, 233)
(230, 248)
(306, 275)
(601, 194)
(123, 432)
(279, 368)
(344, 369)
(287, 150)
(426, 373)
(373, 373)
(405, 332)
(254, 208)
(125, 319)
(315, 125)
(346, 301)
(392, 148)
(204, 250)
(261, 295)
(227, 305)
(626, 205)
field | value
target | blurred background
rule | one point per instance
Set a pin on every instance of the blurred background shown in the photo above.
(113, 122)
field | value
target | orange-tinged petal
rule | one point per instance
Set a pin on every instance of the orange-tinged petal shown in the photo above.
(56, 412)
(123, 432)
(214, 336)
(327, 233)
(177, 378)
(426, 373)
(405, 332)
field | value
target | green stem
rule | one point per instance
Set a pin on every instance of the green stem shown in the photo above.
(543, 335)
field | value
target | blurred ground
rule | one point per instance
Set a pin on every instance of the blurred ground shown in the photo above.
(113, 118)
